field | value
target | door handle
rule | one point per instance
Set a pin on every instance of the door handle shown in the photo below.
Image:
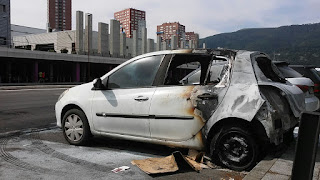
(207, 96)
(141, 98)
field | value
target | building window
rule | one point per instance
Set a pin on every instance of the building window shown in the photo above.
(3, 41)
(2, 8)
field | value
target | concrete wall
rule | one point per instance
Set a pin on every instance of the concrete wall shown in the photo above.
(65, 40)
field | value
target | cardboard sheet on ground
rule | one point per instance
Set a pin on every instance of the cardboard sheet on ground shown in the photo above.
(171, 163)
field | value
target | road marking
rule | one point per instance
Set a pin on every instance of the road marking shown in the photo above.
(16, 90)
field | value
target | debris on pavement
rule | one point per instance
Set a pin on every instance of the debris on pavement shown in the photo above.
(176, 161)
(119, 169)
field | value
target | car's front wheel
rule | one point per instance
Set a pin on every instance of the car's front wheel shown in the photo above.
(235, 148)
(75, 127)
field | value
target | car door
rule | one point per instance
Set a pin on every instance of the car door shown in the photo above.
(123, 107)
(174, 112)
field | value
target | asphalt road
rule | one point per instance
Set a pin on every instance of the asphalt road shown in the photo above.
(27, 108)
(46, 154)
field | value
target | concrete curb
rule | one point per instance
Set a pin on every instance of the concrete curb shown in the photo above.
(261, 169)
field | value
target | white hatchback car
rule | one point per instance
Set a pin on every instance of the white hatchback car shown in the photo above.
(232, 115)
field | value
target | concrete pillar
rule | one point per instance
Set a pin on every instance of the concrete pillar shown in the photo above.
(191, 44)
(182, 44)
(204, 45)
(83, 72)
(79, 32)
(114, 38)
(77, 72)
(9, 75)
(159, 43)
(150, 45)
(164, 45)
(134, 43)
(103, 39)
(51, 73)
(36, 72)
(123, 45)
(144, 41)
(174, 42)
(88, 35)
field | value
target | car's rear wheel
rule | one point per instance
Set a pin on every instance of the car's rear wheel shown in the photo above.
(75, 127)
(235, 148)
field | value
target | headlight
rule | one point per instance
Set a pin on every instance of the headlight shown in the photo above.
(64, 92)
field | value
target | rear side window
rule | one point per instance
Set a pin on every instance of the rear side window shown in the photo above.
(140, 73)
(215, 75)
(270, 70)
(288, 72)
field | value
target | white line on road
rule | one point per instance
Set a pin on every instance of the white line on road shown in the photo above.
(47, 89)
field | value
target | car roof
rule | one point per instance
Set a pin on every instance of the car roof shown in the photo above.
(218, 52)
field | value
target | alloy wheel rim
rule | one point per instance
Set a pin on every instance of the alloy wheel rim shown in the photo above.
(73, 127)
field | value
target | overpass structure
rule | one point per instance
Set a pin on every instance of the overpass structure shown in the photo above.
(25, 66)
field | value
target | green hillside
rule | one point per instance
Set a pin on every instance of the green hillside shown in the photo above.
(297, 44)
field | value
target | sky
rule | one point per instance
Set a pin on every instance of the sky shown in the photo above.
(206, 17)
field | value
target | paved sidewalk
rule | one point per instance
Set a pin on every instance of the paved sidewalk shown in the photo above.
(280, 168)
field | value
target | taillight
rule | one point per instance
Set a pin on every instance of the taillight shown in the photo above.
(303, 88)
(316, 88)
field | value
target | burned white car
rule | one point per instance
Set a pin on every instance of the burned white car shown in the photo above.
(231, 113)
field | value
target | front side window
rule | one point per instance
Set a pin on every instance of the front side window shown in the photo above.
(140, 73)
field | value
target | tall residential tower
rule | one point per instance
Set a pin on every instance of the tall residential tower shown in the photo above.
(5, 28)
(130, 20)
(166, 30)
(59, 15)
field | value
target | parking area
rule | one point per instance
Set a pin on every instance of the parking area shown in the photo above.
(47, 155)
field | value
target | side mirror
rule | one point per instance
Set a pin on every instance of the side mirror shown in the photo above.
(97, 84)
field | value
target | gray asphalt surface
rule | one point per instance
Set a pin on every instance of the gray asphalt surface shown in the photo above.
(47, 155)
(27, 108)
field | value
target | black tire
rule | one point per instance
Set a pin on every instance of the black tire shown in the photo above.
(75, 127)
(235, 148)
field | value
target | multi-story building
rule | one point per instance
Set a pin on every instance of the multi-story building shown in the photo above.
(166, 30)
(129, 20)
(59, 15)
(5, 28)
(192, 37)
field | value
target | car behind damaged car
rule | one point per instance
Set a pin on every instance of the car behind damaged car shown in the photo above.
(232, 113)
